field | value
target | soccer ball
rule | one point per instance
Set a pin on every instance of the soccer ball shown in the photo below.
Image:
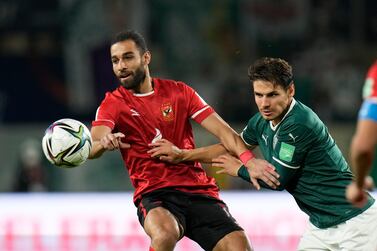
(67, 143)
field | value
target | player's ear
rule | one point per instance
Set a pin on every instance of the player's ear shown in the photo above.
(291, 90)
(147, 56)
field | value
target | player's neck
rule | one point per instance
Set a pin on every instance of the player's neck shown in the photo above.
(147, 85)
(282, 115)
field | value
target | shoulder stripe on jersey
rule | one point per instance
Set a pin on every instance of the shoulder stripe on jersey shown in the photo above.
(107, 120)
(244, 141)
(97, 113)
(283, 164)
(203, 101)
(199, 112)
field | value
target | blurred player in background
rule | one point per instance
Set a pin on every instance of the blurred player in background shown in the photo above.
(311, 166)
(173, 200)
(31, 173)
(364, 141)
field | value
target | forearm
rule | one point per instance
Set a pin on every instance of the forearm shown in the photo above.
(362, 162)
(202, 154)
(227, 136)
(236, 146)
(97, 150)
(233, 143)
(363, 149)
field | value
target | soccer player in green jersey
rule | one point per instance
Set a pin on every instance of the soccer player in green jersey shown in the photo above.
(311, 166)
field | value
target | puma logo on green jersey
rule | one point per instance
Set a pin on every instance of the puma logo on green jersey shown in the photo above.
(265, 137)
(293, 137)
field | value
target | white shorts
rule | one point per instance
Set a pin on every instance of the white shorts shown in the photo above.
(356, 234)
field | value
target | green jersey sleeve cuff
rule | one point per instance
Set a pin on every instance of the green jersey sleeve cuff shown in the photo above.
(243, 173)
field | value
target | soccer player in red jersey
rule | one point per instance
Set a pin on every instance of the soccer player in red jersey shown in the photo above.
(365, 139)
(173, 200)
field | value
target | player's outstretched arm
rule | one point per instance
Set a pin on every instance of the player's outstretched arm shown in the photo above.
(259, 169)
(361, 155)
(362, 149)
(227, 136)
(230, 141)
(105, 140)
(215, 154)
(167, 151)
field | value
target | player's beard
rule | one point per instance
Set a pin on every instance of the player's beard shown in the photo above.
(135, 81)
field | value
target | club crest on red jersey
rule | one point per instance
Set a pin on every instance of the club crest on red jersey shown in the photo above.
(167, 111)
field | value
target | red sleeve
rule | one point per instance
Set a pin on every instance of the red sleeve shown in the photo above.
(198, 108)
(370, 85)
(107, 113)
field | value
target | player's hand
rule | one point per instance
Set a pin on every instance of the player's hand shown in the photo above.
(356, 195)
(228, 164)
(164, 150)
(261, 169)
(113, 141)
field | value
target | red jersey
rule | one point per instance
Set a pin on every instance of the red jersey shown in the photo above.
(370, 86)
(144, 118)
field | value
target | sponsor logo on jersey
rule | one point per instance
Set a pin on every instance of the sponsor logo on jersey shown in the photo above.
(134, 112)
(167, 112)
(158, 136)
(286, 152)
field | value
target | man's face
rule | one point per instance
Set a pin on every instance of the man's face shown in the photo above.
(272, 100)
(128, 65)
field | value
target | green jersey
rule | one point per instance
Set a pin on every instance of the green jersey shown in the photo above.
(311, 166)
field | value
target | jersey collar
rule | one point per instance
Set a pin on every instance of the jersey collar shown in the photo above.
(289, 110)
(154, 84)
(143, 94)
(124, 90)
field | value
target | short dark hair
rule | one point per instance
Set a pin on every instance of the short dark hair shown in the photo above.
(131, 35)
(274, 70)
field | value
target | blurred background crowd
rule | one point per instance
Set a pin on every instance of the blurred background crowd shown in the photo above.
(55, 63)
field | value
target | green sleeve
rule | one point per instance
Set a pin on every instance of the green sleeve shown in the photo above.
(249, 133)
(243, 173)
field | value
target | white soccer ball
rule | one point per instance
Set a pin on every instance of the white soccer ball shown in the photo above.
(67, 143)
